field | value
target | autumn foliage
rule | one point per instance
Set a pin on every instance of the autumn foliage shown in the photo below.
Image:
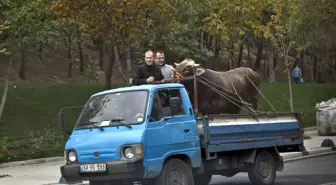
(112, 17)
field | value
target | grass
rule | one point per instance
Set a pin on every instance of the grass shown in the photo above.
(305, 98)
(29, 127)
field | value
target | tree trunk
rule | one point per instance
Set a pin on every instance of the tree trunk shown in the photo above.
(101, 54)
(70, 55)
(266, 62)
(4, 95)
(216, 54)
(80, 50)
(209, 45)
(289, 83)
(312, 58)
(319, 69)
(128, 59)
(231, 53)
(240, 56)
(108, 71)
(22, 72)
(259, 55)
(40, 51)
(302, 63)
(333, 67)
(202, 41)
(314, 67)
(249, 54)
(271, 69)
(117, 59)
(275, 59)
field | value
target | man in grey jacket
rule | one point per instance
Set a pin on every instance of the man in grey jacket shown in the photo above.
(166, 69)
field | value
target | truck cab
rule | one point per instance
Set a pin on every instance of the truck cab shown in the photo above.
(126, 134)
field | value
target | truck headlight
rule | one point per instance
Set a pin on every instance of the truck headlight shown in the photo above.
(129, 152)
(132, 152)
(72, 157)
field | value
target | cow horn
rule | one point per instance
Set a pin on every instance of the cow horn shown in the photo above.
(176, 64)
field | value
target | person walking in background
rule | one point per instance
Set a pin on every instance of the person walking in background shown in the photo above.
(167, 70)
(297, 75)
(148, 72)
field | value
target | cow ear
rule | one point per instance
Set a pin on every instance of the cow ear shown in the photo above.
(197, 65)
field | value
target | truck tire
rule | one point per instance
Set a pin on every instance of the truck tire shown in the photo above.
(263, 170)
(202, 179)
(175, 171)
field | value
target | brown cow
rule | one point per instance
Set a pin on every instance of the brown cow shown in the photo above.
(228, 82)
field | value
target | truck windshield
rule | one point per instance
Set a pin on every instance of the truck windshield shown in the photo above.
(114, 109)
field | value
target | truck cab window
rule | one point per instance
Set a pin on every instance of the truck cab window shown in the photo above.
(161, 106)
(176, 94)
(156, 113)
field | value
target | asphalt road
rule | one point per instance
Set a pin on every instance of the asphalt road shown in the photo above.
(311, 171)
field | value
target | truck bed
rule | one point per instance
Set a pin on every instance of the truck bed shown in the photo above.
(238, 132)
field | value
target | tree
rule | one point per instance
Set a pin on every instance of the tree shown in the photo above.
(234, 20)
(28, 24)
(120, 22)
(279, 30)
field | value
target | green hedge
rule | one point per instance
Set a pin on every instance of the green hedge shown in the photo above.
(29, 127)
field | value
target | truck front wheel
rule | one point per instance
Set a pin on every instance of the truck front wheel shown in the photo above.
(263, 171)
(175, 171)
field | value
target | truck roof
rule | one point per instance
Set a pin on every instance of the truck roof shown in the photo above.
(149, 87)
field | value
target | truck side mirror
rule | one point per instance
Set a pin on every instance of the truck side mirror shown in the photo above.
(175, 105)
(60, 119)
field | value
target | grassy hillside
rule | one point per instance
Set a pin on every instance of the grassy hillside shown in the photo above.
(29, 125)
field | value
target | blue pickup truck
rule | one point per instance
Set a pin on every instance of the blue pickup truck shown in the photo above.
(150, 134)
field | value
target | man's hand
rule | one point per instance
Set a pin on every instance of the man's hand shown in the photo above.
(150, 79)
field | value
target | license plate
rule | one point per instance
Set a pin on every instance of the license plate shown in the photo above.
(93, 167)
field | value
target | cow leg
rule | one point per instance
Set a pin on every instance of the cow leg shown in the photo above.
(255, 101)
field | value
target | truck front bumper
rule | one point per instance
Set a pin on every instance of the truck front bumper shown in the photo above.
(114, 170)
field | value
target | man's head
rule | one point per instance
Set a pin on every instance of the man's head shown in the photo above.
(186, 67)
(159, 58)
(149, 57)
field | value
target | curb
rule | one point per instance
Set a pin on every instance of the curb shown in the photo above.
(31, 162)
(291, 156)
(310, 129)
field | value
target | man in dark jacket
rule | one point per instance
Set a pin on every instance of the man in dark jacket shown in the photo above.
(148, 72)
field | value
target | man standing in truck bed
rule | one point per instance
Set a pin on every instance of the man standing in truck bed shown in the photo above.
(167, 70)
(148, 72)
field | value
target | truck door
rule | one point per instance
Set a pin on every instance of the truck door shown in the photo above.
(169, 134)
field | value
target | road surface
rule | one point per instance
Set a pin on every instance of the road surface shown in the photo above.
(311, 171)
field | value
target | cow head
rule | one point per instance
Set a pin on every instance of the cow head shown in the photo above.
(186, 67)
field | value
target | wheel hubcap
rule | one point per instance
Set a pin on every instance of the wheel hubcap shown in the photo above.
(176, 178)
(264, 169)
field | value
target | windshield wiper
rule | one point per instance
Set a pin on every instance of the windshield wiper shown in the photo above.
(120, 121)
(92, 124)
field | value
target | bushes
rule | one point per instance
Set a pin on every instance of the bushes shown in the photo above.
(29, 127)
(46, 144)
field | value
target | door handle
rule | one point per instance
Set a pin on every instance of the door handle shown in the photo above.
(186, 130)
